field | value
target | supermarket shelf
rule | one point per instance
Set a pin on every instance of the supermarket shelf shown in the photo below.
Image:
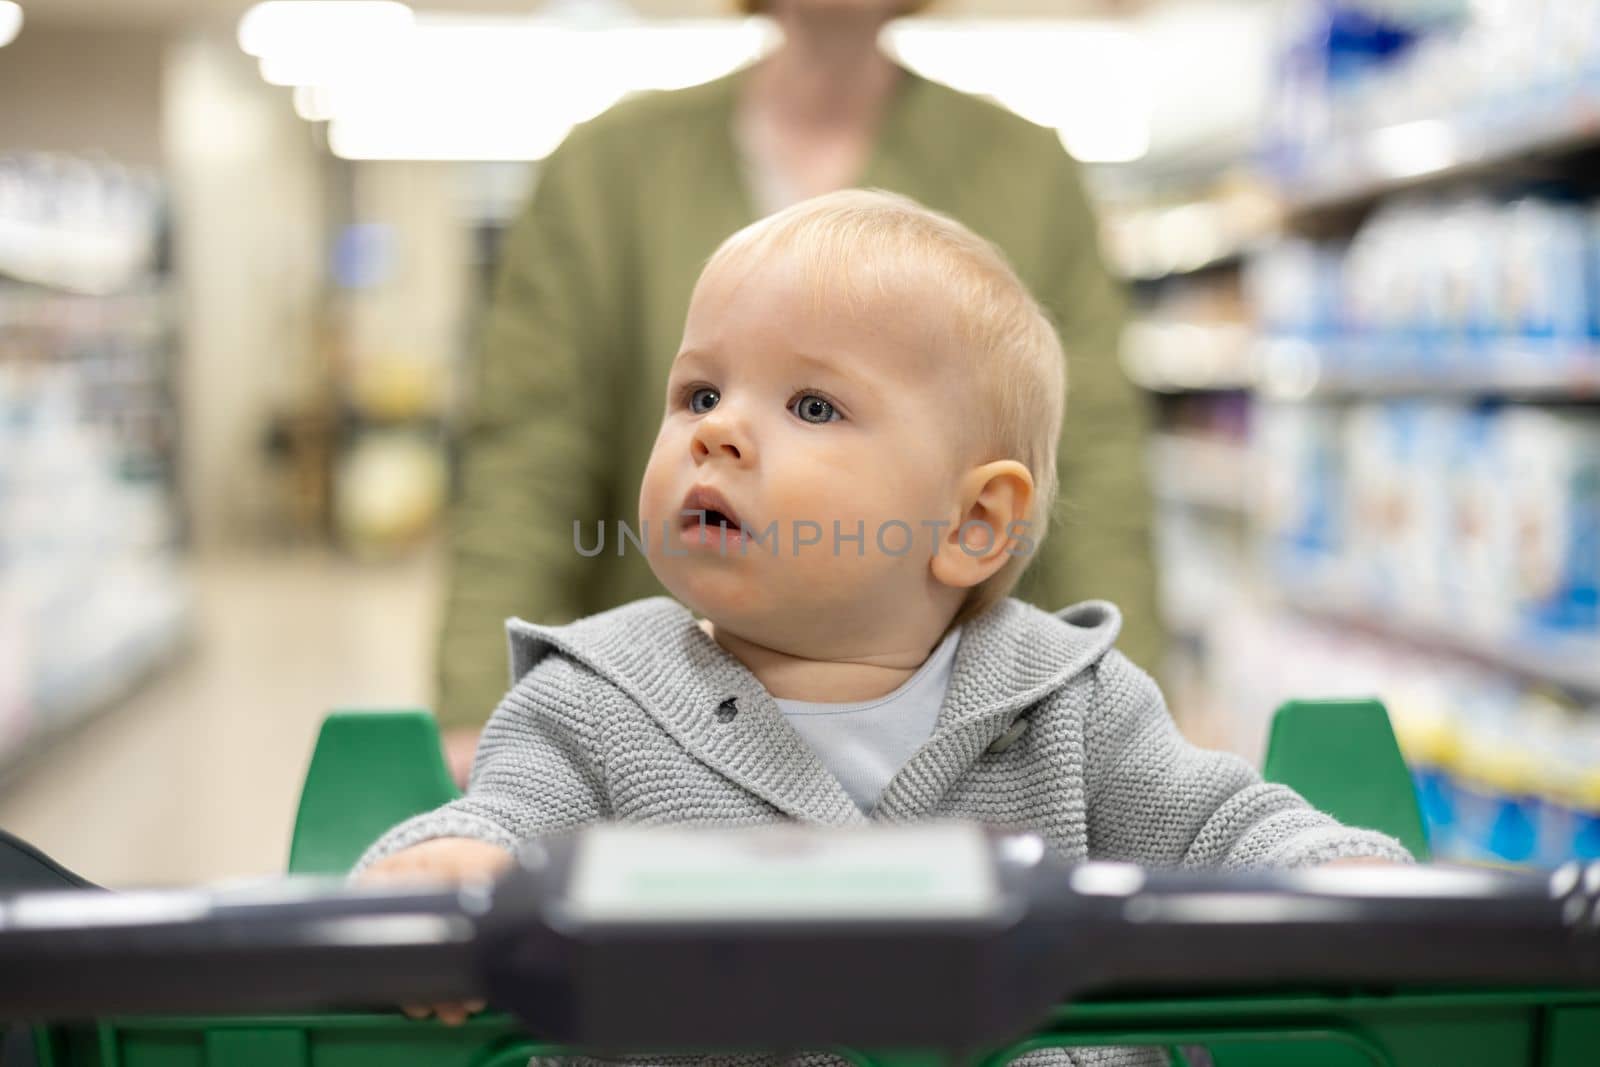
(1174, 233)
(1294, 370)
(1201, 473)
(1176, 357)
(1225, 258)
(1573, 665)
(1439, 150)
(144, 658)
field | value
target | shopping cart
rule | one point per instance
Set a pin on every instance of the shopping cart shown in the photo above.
(370, 770)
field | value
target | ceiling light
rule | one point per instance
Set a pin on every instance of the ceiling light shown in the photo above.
(1089, 81)
(277, 27)
(10, 21)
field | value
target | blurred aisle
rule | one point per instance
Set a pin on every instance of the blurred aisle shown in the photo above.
(197, 777)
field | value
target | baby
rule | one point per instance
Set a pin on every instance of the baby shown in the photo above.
(857, 458)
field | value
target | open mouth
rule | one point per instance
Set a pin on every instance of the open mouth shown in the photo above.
(717, 512)
(712, 517)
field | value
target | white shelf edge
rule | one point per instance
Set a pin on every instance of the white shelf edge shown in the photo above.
(1293, 370)
(1577, 668)
(1442, 148)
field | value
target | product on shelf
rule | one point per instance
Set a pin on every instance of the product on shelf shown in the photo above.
(1367, 91)
(1485, 519)
(1553, 480)
(1301, 503)
(1468, 291)
(1293, 286)
(1478, 592)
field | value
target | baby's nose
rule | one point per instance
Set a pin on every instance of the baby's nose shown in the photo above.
(704, 448)
(719, 436)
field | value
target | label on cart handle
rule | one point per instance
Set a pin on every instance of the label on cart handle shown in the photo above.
(678, 874)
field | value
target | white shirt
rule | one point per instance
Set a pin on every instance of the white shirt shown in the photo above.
(865, 744)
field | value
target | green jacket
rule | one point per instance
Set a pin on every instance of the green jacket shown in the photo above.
(588, 313)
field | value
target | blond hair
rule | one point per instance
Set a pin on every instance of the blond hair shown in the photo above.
(867, 246)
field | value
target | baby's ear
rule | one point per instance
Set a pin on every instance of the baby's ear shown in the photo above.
(995, 499)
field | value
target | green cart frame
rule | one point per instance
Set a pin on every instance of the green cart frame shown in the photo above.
(372, 769)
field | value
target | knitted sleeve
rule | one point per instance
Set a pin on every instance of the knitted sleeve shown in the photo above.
(1157, 800)
(539, 768)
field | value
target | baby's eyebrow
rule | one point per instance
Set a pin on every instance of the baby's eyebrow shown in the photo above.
(817, 364)
(689, 355)
(832, 366)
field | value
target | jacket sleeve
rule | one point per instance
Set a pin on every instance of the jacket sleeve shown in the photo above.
(535, 453)
(1157, 800)
(1099, 544)
(539, 769)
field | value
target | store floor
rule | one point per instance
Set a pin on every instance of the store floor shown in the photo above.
(196, 776)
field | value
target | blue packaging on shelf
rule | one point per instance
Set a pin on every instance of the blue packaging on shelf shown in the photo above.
(1591, 232)
(1302, 499)
(1554, 469)
(1495, 827)
(1390, 504)
(1546, 268)
(1567, 833)
(1436, 801)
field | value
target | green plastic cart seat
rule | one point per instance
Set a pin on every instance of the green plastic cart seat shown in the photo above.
(373, 769)
(369, 771)
(1341, 755)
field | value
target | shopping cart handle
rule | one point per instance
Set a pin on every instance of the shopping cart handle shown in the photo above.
(925, 936)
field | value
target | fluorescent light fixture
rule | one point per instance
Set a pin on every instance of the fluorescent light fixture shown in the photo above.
(307, 42)
(445, 137)
(280, 27)
(313, 103)
(10, 21)
(496, 89)
(1090, 81)
(394, 86)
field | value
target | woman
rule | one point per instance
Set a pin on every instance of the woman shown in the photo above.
(595, 281)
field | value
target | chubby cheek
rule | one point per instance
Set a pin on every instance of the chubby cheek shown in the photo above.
(867, 550)
(862, 497)
(807, 480)
(860, 492)
(655, 490)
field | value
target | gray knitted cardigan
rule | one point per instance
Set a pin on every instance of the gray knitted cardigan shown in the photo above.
(615, 717)
(624, 716)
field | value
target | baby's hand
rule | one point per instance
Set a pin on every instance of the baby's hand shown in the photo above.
(445, 859)
(1361, 861)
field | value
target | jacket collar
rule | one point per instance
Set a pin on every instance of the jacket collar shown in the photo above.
(1007, 660)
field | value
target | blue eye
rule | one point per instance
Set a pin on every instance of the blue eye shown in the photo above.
(813, 408)
(703, 400)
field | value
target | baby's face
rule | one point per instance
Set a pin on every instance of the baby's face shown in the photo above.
(798, 419)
